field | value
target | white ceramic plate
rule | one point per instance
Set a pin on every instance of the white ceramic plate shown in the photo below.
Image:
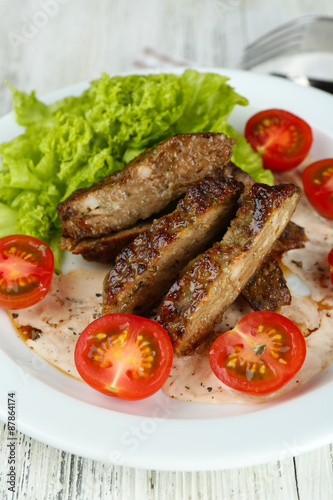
(160, 433)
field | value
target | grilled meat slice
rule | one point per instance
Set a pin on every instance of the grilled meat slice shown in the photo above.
(267, 289)
(144, 271)
(197, 301)
(106, 248)
(146, 185)
(292, 237)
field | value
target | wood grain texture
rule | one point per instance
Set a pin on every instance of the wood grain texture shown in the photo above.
(43, 470)
(77, 41)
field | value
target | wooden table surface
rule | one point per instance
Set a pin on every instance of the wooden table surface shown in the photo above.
(49, 44)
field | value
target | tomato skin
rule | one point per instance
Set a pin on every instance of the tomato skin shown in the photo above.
(330, 261)
(26, 271)
(282, 138)
(318, 186)
(261, 354)
(118, 363)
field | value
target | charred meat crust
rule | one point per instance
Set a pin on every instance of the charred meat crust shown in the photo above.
(145, 269)
(197, 301)
(231, 171)
(144, 186)
(293, 236)
(267, 290)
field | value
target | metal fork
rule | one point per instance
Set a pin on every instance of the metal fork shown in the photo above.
(304, 34)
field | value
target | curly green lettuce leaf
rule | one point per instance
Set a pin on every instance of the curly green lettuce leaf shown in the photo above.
(209, 102)
(68, 144)
(134, 111)
(98, 166)
(8, 218)
(36, 215)
(245, 158)
(28, 109)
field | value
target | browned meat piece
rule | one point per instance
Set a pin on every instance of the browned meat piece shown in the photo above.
(267, 289)
(197, 301)
(292, 237)
(106, 248)
(145, 269)
(146, 185)
(232, 172)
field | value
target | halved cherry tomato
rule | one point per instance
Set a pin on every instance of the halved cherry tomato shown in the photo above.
(124, 355)
(261, 354)
(330, 261)
(283, 139)
(26, 270)
(318, 186)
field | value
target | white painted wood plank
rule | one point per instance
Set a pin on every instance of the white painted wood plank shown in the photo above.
(79, 42)
(315, 474)
(68, 476)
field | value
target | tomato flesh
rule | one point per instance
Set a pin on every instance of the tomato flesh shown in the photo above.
(124, 356)
(282, 138)
(330, 262)
(318, 186)
(26, 270)
(261, 354)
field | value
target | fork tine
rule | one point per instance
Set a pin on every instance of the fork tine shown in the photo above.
(277, 33)
(260, 54)
(286, 38)
(275, 43)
